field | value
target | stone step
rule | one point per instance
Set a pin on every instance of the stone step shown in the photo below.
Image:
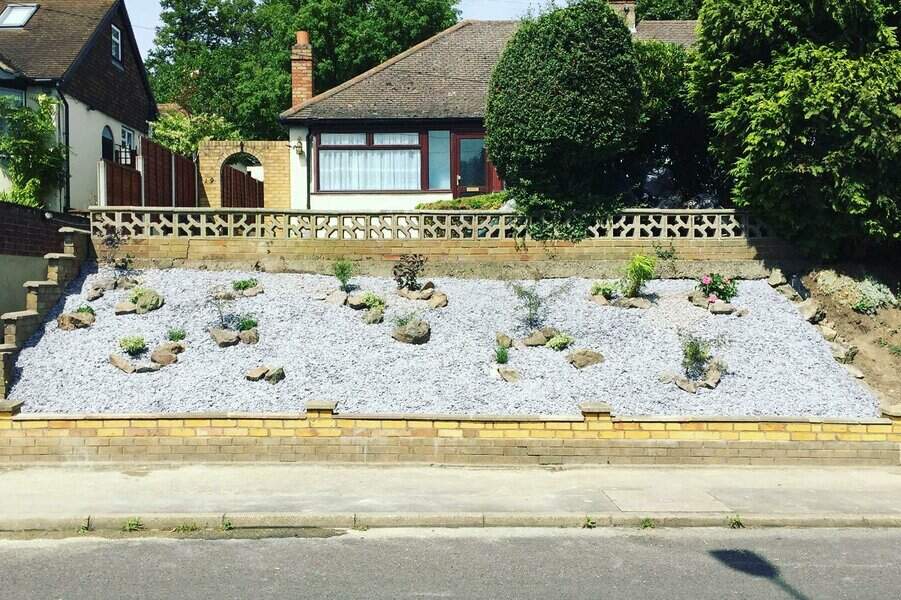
(41, 295)
(62, 268)
(75, 241)
(18, 327)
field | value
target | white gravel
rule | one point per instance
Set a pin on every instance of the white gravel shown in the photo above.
(778, 364)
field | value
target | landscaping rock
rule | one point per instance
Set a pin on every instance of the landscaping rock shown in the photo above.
(273, 376)
(426, 293)
(686, 385)
(163, 357)
(811, 311)
(584, 358)
(827, 332)
(854, 371)
(74, 320)
(438, 300)
(147, 300)
(428, 285)
(356, 301)
(105, 284)
(789, 292)
(842, 353)
(698, 298)
(632, 303)
(667, 377)
(338, 298)
(251, 292)
(256, 374)
(125, 308)
(535, 339)
(713, 375)
(95, 293)
(503, 340)
(742, 312)
(374, 316)
(147, 367)
(173, 347)
(777, 278)
(122, 363)
(721, 308)
(519, 345)
(250, 336)
(224, 294)
(224, 337)
(600, 300)
(550, 332)
(126, 283)
(414, 332)
(509, 375)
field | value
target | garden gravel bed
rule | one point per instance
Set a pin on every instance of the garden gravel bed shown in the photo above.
(778, 364)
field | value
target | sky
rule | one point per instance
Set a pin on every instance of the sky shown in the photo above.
(145, 14)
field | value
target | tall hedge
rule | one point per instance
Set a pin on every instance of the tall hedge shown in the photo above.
(563, 110)
(805, 101)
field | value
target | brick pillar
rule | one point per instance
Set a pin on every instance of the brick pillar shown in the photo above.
(625, 9)
(301, 69)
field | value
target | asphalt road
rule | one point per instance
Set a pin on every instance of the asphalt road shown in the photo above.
(486, 563)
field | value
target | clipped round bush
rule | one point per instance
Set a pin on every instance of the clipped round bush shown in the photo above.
(563, 109)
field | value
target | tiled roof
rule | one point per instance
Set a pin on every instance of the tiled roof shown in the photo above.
(675, 32)
(54, 36)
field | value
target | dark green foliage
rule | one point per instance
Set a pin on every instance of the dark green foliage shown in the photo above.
(407, 271)
(244, 284)
(501, 355)
(482, 202)
(246, 322)
(133, 345)
(343, 271)
(85, 309)
(664, 10)
(695, 357)
(562, 112)
(176, 335)
(804, 98)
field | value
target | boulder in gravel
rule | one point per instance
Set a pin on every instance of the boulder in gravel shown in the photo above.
(104, 284)
(698, 298)
(667, 377)
(686, 385)
(535, 339)
(438, 300)
(126, 283)
(146, 300)
(224, 337)
(777, 278)
(509, 375)
(254, 291)
(374, 316)
(414, 332)
(147, 367)
(625, 302)
(550, 332)
(503, 340)
(357, 300)
(811, 311)
(163, 357)
(721, 308)
(121, 363)
(95, 293)
(584, 358)
(600, 300)
(827, 332)
(275, 375)
(256, 374)
(428, 285)
(173, 347)
(74, 320)
(125, 308)
(224, 294)
(338, 298)
(713, 375)
(789, 292)
(843, 353)
(249, 336)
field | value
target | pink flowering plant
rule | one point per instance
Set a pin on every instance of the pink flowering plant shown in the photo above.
(716, 287)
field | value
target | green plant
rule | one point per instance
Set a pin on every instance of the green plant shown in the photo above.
(533, 304)
(343, 271)
(695, 356)
(226, 524)
(639, 271)
(407, 271)
(873, 295)
(895, 350)
(735, 522)
(244, 284)
(493, 201)
(647, 523)
(666, 259)
(186, 528)
(133, 524)
(30, 156)
(559, 342)
(372, 300)
(716, 287)
(85, 309)
(246, 322)
(133, 345)
(86, 526)
(405, 319)
(176, 335)
(562, 154)
(606, 289)
(501, 355)
(183, 133)
(589, 523)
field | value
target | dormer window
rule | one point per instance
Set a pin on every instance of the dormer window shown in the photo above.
(17, 15)
(117, 44)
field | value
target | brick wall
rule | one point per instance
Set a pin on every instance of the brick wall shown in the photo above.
(25, 231)
(273, 156)
(320, 435)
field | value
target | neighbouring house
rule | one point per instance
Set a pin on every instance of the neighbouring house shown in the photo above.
(82, 52)
(411, 129)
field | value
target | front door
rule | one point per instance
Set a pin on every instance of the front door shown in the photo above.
(471, 169)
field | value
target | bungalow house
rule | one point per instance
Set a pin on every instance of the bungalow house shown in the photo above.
(83, 53)
(411, 129)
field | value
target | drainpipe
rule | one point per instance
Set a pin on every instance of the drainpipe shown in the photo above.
(68, 192)
(309, 167)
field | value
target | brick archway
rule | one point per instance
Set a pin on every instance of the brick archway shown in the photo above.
(273, 156)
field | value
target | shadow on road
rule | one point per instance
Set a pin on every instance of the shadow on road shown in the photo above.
(751, 563)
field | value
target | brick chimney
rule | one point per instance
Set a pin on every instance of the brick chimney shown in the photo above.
(625, 9)
(301, 69)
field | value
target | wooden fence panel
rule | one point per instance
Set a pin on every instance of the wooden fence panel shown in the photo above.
(157, 173)
(185, 182)
(123, 185)
(240, 190)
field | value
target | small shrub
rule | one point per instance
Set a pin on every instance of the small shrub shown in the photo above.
(343, 271)
(176, 335)
(85, 309)
(735, 522)
(372, 300)
(186, 528)
(716, 287)
(501, 355)
(244, 284)
(559, 342)
(133, 345)
(226, 524)
(246, 322)
(895, 350)
(220, 298)
(405, 319)
(492, 201)
(133, 524)
(639, 271)
(873, 296)
(606, 289)
(666, 259)
(695, 357)
(86, 526)
(533, 304)
(647, 523)
(589, 523)
(407, 271)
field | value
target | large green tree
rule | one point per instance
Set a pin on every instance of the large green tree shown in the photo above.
(657, 10)
(232, 57)
(805, 101)
(563, 108)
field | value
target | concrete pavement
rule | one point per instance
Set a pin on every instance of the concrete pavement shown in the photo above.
(355, 496)
(696, 564)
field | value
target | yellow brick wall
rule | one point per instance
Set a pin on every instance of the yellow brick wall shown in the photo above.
(273, 156)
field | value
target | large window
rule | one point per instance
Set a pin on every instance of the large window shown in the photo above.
(439, 160)
(17, 15)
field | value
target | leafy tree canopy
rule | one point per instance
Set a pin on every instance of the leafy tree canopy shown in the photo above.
(804, 99)
(563, 110)
(232, 57)
(662, 10)
(183, 133)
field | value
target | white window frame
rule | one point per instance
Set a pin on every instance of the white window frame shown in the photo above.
(116, 37)
(128, 138)
(9, 9)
